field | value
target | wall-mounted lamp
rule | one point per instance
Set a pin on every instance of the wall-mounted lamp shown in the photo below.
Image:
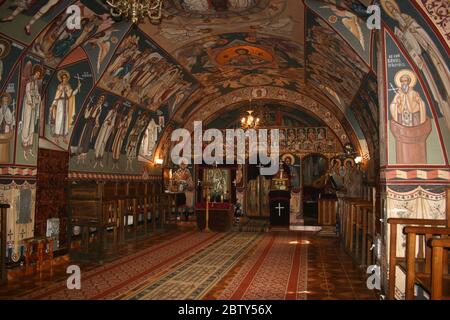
(358, 159)
(159, 162)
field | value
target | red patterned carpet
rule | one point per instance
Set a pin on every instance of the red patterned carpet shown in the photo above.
(120, 276)
(194, 265)
(276, 270)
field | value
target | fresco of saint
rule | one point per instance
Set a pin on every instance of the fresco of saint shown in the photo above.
(7, 114)
(408, 108)
(410, 124)
(150, 138)
(120, 136)
(104, 135)
(30, 108)
(92, 121)
(62, 110)
(424, 52)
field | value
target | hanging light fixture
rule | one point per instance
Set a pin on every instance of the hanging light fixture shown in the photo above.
(250, 120)
(137, 10)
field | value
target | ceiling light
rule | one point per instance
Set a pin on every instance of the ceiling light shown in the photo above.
(137, 10)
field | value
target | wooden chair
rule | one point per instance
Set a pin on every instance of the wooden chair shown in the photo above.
(420, 272)
(395, 260)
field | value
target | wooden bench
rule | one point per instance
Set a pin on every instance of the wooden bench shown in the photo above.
(356, 218)
(420, 272)
(395, 260)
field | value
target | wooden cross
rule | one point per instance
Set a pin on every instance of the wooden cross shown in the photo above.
(279, 208)
(22, 233)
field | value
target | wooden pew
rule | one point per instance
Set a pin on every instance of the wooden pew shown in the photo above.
(366, 228)
(356, 220)
(394, 260)
(421, 273)
(327, 212)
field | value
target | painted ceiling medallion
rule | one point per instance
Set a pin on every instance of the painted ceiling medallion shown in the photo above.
(244, 57)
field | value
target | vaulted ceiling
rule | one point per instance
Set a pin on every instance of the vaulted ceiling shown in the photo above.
(207, 55)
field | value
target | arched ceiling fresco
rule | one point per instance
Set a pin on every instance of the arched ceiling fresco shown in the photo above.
(332, 117)
(202, 51)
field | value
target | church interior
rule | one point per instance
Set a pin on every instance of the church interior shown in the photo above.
(103, 196)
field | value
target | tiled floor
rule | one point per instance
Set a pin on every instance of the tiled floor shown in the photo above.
(331, 273)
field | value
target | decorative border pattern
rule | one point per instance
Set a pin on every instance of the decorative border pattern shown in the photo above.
(439, 13)
(427, 175)
(18, 171)
(108, 176)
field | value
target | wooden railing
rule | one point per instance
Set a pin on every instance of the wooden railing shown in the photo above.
(400, 261)
(439, 254)
(420, 272)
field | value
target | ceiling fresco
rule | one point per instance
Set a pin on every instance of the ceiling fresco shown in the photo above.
(161, 69)
(215, 8)
(56, 41)
(333, 118)
(349, 25)
(146, 75)
(327, 52)
(230, 61)
(203, 52)
(182, 26)
(24, 20)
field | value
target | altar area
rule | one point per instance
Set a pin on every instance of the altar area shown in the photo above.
(216, 198)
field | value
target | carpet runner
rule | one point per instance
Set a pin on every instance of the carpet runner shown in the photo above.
(195, 265)
(124, 274)
(194, 277)
(277, 269)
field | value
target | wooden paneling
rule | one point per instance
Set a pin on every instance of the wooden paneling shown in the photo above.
(51, 192)
(327, 212)
(103, 212)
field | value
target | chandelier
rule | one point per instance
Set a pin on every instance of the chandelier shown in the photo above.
(249, 121)
(136, 10)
